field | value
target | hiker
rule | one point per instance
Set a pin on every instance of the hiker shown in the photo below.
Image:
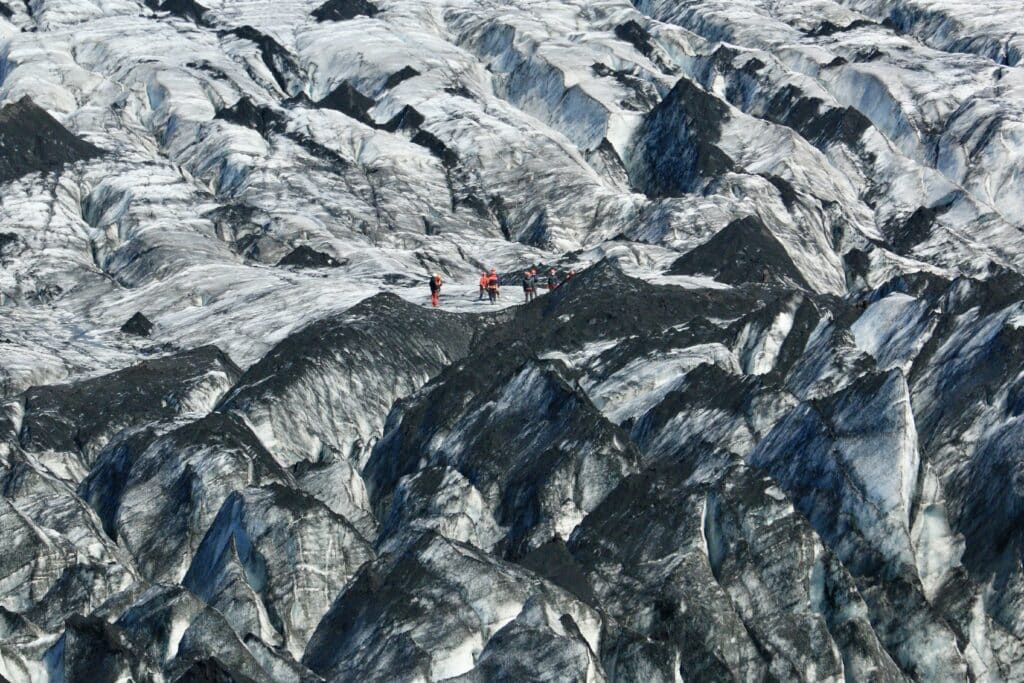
(492, 286)
(435, 290)
(526, 286)
(552, 280)
(483, 285)
(533, 284)
(571, 275)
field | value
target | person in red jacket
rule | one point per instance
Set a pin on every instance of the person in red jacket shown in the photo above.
(483, 285)
(492, 286)
(435, 290)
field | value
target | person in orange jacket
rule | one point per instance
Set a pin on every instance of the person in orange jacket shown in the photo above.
(492, 286)
(483, 285)
(435, 290)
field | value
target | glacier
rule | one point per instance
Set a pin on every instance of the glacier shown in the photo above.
(767, 427)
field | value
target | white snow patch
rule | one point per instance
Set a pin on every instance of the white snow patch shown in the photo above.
(175, 633)
(937, 548)
(893, 330)
(457, 660)
(644, 382)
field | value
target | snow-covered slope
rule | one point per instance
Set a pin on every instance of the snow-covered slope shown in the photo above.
(769, 429)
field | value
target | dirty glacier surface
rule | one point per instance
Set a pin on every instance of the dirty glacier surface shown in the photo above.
(772, 430)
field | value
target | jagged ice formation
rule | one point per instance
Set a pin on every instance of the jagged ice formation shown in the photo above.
(771, 430)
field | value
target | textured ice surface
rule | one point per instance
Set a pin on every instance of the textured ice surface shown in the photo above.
(770, 428)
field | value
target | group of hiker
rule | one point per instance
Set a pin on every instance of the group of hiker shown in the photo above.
(490, 285)
(530, 282)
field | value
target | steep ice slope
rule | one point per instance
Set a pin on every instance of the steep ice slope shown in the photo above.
(769, 429)
(985, 30)
(539, 453)
(329, 387)
(955, 113)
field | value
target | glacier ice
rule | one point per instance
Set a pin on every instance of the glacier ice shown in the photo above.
(770, 428)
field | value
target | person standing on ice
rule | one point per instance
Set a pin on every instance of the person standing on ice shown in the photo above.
(552, 280)
(533, 283)
(492, 286)
(435, 290)
(483, 285)
(526, 286)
